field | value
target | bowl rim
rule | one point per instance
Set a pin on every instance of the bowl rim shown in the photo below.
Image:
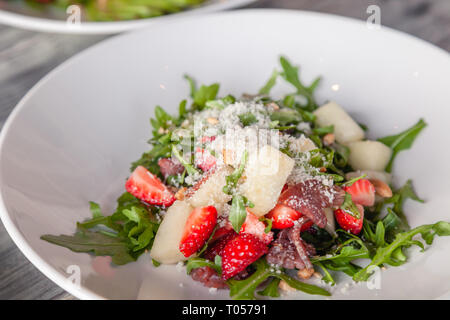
(60, 26)
(13, 231)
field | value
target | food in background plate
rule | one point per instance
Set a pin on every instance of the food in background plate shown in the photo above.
(116, 10)
(260, 194)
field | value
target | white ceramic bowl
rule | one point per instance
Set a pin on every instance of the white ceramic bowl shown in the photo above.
(72, 137)
(21, 15)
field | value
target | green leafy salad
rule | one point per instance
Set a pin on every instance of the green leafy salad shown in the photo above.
(116, 10)
(259, 194)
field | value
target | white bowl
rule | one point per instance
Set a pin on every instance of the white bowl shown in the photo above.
(72, 137)
(21, 15)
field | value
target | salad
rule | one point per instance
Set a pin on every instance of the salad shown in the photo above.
(258, 194)
(114, 10)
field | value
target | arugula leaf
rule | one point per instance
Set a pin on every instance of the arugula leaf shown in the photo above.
(352, 181)
(220, 103)
(399, 197)
(192, 85)
(402, 141)
(271, 290)
(247, 119)
(143, 231)
(392, 225)
(290, 74)
(156, 263)
(349, 207)
(321, 131)
(392, 253)
(327, 276)
(238, 212)
(95, 209)
(204, 94)
(245, 289)
(342, 154)
(286, 116)
(340, 259)
(267, 222)
(189, 168)
(350, 250)
(182, 111)
(95, 242)
(265, 90)
(233, 178)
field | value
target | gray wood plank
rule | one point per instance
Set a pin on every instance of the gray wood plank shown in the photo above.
(27, 56)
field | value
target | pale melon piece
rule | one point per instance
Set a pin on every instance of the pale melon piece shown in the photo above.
(369, 155)
(345, 128)
(165, 248)
(301, 144)
(210, 193)
(370, 174)
(266, 173)
(307, 145)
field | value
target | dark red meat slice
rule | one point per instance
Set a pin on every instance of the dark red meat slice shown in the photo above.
(310, 197)
(170, 167)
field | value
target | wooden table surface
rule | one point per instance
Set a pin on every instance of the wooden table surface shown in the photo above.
(26, 56)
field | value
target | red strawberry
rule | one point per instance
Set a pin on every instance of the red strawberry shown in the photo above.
(169, 167)
(147, 187)
(284, 217)
(253, 226)
(349, 222)
(239, 253)
(222, 231)
(217, 246)
(199, 226)
(204, 160)
(362, 192)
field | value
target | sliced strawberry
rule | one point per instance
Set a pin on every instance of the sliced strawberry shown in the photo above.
(204, 160)
(348, 222)
(199, 226)
(222, 231)
(239, 253)
(216, 247)
(362, 192)
(284, 217)
(147, 187)
(170, 167)
(253, 226)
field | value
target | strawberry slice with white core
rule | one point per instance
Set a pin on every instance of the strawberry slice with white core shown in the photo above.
(284, 217)
(362, 192)
(199, 226)
(147, 187)
(254, 226)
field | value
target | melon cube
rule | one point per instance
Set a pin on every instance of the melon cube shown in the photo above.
(345, 128)
(165, 247)
(265, 175)
(369, 155)
(210, 192)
